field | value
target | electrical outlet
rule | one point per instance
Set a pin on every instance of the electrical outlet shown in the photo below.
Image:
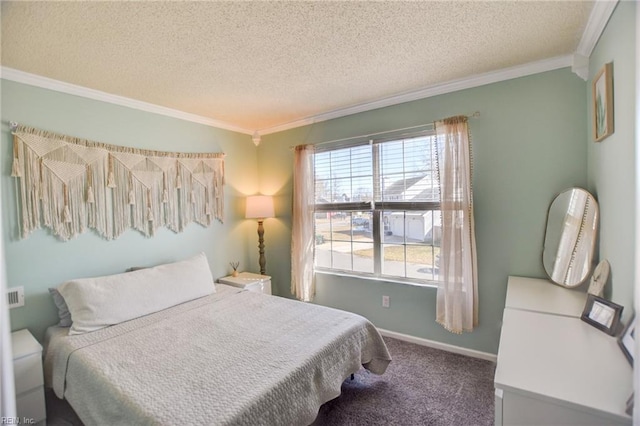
(385, 301)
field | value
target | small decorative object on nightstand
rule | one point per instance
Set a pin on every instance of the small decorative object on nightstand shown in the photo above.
(234, 265)
(27, 370)
(248, 281)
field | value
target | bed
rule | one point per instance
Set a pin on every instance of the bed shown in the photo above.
(231, 357)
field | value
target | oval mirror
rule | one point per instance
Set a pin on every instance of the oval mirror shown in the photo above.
(570, 237)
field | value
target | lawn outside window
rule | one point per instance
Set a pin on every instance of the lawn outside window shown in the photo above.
(377, 209)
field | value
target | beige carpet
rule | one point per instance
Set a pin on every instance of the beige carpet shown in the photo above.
(422, 386)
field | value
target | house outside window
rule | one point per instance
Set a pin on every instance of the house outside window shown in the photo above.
(377, 209)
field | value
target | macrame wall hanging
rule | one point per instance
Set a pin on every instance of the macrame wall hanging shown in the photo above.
(70, 185)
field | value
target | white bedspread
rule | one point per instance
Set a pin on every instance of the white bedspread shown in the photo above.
(234, 357)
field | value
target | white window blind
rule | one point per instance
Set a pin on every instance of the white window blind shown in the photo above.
(377, 208)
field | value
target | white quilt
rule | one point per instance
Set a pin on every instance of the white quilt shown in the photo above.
(230, 358)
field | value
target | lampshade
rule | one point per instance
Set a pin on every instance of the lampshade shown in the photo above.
(259, 207)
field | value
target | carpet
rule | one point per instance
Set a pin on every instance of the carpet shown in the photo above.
(422, 386)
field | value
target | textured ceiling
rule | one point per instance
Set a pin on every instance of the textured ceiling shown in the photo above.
(257, 65)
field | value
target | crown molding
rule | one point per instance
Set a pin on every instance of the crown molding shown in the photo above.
(72, 89)
(437, 89)
(580, 66)
(430, 91)
(598, 19)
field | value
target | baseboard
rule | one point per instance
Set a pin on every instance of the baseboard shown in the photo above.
(439, 345)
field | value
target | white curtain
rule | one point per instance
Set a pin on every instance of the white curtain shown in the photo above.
(7, 391)
(457, 298)
(303, 229)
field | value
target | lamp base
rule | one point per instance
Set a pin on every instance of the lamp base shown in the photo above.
(261, 260)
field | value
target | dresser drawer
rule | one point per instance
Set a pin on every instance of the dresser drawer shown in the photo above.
(27, 372)
(260, 287)
(519, 410)
(31, 405)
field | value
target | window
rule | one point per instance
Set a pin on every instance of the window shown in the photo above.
(377, 210)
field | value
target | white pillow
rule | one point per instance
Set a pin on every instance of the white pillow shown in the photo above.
(99, 302)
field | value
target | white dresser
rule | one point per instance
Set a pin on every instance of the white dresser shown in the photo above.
(553, 368)
(27, 370)
(249, 281)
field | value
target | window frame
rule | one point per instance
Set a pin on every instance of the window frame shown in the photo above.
(376, 208)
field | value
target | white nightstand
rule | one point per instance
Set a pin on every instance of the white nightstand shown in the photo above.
(248, 281)
(27, 371)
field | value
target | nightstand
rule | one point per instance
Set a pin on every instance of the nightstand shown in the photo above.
(251, 282)
(27, 371)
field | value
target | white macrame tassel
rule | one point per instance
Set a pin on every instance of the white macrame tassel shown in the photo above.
(165, 193)
(66, 216)
(90, 197)
(207, 205)
(193, 196)
(16, 169)
(132, 194)
(111, 180)
(149, 209)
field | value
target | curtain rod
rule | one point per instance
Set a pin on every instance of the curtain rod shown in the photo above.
(476, 114)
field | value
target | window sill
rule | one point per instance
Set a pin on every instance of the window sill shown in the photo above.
(363, 276)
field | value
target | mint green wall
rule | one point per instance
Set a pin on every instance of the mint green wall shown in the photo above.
(42, 261)
(529, 144)
(611, 162)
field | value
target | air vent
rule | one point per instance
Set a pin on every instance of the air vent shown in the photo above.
(15, 297)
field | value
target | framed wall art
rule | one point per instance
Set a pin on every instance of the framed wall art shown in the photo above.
(602, 99)
(627, 339)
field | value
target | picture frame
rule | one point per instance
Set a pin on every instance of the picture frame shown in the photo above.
(602, 102)
(601, 313)
(626, 340)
